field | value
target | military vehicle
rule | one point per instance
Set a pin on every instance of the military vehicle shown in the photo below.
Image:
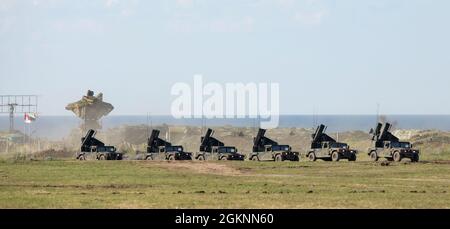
(211, 148)
(90, 109)
(386, 145)
(157, 148)
(264, 147)
(326, 148)
(94, 148)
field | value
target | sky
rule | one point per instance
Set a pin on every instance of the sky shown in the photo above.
(329, 57)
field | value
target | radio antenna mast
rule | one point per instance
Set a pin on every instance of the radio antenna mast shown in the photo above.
(378, 113)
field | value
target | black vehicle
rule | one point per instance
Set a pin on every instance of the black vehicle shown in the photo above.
(326, 148)
(92, 147)
(264, 147)
(386, 145)
(158, 148)
(211, 148)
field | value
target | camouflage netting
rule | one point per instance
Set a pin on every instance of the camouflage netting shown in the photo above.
(90, 109)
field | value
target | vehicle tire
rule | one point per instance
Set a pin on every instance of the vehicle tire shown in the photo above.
(397, 156)
(255, 158)
(373, 156)
(224, 159)
(335, 156)
(352, 157)
(201, 158)
(415, 158)
(278, 158)
(296, 158)
(102, 157)
(81, 158)
(149, 158)
(171, 158)
(312, 157)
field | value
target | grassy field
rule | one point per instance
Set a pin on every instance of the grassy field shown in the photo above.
(145, 184)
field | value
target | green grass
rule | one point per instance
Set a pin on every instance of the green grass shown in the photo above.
(144, 184)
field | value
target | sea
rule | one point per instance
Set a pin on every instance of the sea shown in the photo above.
(57, 127)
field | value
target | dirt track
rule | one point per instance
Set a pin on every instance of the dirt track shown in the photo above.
(199, 167)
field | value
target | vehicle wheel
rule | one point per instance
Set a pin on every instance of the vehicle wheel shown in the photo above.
(335, 156)
(81, 158)
(397, 157)
(201, 158)
(352, 157)
(149, 158)
(102, 157)
(415, 158)
(255, 158)
(296, 158)
(224, 159)
(312, 157)
(171, 158)
(373, 156)
(278, 158)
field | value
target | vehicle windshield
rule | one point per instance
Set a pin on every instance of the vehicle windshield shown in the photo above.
(401, 145)
(280, 148)
(174, 148)
(227, 150)
(338, 145)
(106, 149)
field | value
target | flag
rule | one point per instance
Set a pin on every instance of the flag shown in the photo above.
(30, 117)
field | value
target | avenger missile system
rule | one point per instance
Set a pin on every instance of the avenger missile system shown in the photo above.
(326, 148)
(211, 148)
(158, 148)
(94, 148)
(264, 147)
(386, 145)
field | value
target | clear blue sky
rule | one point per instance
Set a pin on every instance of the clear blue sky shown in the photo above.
(334, 57)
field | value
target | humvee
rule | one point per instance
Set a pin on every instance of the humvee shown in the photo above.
(211, 148)
(264, 147)
(157, 148)
(326, 148)
(94, 148)
(386, 145)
